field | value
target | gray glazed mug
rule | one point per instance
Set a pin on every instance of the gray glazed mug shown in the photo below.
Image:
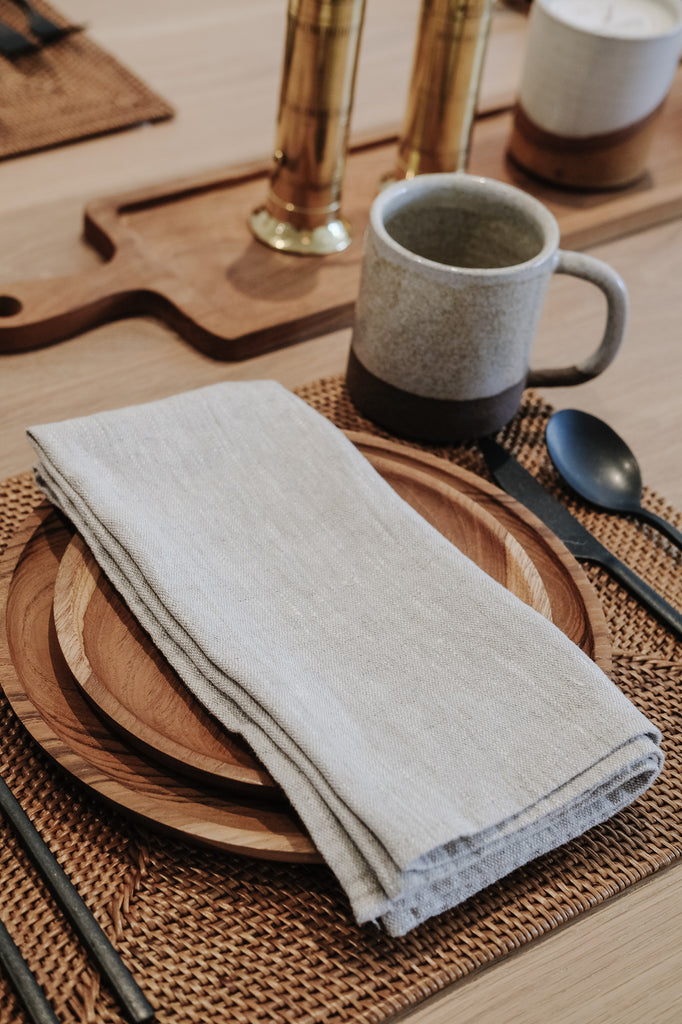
(455, 271)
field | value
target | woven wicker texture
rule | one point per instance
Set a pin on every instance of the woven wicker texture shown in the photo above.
(69, 89)
(215, 938)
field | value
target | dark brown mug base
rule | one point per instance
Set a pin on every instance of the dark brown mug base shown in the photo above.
(435, 420)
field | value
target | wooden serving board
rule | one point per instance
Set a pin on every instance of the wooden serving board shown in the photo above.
(183, 252)
(140, 696)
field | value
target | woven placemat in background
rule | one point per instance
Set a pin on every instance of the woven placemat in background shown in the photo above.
(215, 938)
(70, 89)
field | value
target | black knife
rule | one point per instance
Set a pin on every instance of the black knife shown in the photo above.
(520, 484)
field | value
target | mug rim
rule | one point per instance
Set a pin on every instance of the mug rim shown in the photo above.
(424, 183)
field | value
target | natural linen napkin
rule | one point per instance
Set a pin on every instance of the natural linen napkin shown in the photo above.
(432, 731)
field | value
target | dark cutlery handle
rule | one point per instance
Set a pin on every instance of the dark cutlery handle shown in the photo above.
(41, 27)
(643, 592)
(671, 532)
(25, 985)
(136, 1007)
(13, 43)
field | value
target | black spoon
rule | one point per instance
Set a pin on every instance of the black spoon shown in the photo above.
(600, 467)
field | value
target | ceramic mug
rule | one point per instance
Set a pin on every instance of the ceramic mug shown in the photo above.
(595, 77)
(455, 271)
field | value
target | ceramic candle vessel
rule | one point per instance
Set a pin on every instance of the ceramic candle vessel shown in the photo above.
(595, 76)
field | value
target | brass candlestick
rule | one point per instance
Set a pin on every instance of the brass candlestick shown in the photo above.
(301, 213)
(451, 42)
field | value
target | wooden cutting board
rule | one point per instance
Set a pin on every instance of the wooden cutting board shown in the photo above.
(183, 252)
(141, 697)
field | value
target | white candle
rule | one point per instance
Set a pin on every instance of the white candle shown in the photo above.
(631, 18)
(588, 72)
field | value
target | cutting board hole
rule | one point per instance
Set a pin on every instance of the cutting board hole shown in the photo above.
(9, 306)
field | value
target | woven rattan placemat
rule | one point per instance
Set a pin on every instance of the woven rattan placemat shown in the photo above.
(68, 90)
(215, 938)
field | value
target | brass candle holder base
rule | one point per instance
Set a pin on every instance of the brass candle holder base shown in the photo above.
(334, 236)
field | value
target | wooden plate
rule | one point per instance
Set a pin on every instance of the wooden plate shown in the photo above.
(46, 698)
(575, 606)
(44, 695)
(139, 695)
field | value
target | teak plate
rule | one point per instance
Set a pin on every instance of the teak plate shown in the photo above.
(132, 686)
(46, 698)
(575, 606)
(51, 705)
(183, 252)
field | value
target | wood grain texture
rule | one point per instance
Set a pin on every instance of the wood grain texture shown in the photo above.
(183, 252)
(575, 607)
(45, 697)
(138, 694)
(135, 691)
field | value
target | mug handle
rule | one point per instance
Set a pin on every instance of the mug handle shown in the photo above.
(579, 264)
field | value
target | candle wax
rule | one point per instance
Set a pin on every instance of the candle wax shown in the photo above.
(615, 17)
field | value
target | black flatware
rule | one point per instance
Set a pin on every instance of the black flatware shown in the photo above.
(122, 983)
(25, 985)
(39, 26)
(13, 43)
(511, 476)
(600, 467)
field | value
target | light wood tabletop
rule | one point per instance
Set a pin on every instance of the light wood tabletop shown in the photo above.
(219, 64)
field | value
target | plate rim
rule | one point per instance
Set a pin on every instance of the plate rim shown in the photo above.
(78, 564)
(169, 804)
(233, 836)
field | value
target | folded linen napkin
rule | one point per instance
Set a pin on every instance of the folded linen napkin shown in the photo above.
(432, 731)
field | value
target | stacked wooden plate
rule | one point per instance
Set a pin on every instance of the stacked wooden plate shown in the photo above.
(91, 688)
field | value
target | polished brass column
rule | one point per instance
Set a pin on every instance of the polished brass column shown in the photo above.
(452, 39)
(302, 210)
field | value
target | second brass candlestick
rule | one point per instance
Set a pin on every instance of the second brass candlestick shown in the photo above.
(451, 43)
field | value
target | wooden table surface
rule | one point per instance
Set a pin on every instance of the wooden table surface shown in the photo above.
(219, 63)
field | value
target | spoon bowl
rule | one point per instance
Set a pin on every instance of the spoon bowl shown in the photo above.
(600, 467)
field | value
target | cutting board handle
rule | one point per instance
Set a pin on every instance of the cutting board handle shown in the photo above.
(41, 312)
